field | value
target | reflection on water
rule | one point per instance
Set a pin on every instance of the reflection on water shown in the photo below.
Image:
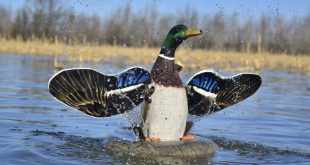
(273, 126)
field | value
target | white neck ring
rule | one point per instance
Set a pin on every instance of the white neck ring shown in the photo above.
(166, 57)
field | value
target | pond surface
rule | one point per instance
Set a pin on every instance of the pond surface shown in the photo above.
(271, 127)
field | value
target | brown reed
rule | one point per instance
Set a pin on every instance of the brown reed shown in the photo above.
(191, 59)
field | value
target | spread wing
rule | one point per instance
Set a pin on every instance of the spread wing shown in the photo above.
(208, 92)
(97, 94)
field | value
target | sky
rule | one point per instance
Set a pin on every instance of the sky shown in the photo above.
(288, 8)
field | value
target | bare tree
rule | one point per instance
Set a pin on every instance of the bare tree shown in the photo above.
(247, 35)
(218, 30)
(49, 20)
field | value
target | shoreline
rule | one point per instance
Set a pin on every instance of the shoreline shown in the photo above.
(191, 59)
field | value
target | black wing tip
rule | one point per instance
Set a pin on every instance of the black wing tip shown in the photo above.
(259, 82)
(251, 76)
(255, 78)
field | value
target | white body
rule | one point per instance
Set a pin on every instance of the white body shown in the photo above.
(165, 117)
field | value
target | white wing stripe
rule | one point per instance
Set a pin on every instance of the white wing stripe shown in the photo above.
(122, 90)
(204, 93)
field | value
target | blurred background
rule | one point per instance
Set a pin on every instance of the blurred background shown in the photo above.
(243, 26)
(267, 37)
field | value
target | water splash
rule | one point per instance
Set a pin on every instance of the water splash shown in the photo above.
(93, 150)
(252, 148)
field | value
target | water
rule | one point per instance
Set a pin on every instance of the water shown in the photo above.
(272, 127)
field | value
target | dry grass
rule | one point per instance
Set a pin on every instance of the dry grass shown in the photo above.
(191, 59)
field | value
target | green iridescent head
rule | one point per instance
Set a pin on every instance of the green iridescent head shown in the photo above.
(177, 35)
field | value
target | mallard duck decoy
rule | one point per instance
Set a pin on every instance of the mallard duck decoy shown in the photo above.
(166, 101)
